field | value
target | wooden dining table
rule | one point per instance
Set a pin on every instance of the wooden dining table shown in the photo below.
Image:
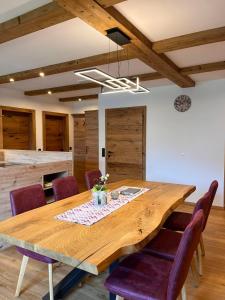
(92, 249)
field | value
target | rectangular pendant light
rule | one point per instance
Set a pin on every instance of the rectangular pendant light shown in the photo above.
(115, 85)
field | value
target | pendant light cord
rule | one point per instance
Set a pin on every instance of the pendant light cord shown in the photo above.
(109, 56)
(118, 61)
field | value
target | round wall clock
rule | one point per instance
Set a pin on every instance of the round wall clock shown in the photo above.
(182, 103)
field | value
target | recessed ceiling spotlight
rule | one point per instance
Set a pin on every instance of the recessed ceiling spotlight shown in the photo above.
(42, 74)
(11, 80)
(79, 99)
(49, 92)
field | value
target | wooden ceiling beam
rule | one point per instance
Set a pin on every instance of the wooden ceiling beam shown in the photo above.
(61, 89)
(210, 67)
(108, 3)
(197, 69)
(148, 76)
(190, 40)
(39, 18)
(79, 98)
(103, 19)
(87, 62)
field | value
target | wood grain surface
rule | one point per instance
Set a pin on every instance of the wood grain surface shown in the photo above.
(17, 176)
(126, 143)
(94, 248)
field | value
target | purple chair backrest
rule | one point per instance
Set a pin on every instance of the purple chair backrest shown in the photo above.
(91, 178)
(184, 255)
(205, 203)
(27, 198)
(65, 187)
(213, 188)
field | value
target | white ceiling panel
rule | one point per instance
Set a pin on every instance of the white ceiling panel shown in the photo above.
(198, 55)
(74, 39)
(209, 76)
(10, 9)
(62, 42)
(161, 19)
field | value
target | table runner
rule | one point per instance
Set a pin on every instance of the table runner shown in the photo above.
(88, 213)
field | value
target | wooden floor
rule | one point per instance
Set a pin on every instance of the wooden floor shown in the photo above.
(212, 284)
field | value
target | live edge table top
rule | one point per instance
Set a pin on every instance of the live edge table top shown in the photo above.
(94, 248)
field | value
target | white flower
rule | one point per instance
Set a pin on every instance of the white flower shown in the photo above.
(107, 175)
(102, 178)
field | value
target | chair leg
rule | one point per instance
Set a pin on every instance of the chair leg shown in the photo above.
(199, 260)
(21, 275)
(183, 293)
(50, 277)
(202, 246)
(119, 298)
(195, 274)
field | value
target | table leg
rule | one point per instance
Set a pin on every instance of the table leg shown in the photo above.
(63, 287)
(111, 268)
(72, 279)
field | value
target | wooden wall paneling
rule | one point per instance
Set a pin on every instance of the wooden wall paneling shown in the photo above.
(79, 149)
(92, 140)
(55, 131)
(18, 128)
(125, 143)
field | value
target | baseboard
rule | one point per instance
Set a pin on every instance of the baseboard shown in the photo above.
(213, 207)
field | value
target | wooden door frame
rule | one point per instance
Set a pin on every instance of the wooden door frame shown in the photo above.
(66, 136)
(22, 110)
(143, 135)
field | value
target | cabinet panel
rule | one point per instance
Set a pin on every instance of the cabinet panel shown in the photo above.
(55, 132)
(17, 128)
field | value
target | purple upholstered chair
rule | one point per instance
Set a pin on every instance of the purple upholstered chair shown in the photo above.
(167, 241)
(141, 276)
(22, 200)
(91, 178)
(65, 187)
(178, 221)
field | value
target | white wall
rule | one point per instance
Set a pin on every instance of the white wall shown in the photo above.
(81, 107)
(15, 98)
(181, 147)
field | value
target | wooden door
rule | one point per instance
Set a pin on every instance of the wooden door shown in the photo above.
(91, 138)
(79, 149)
(125, 143)
(18, 129)
(55, 131)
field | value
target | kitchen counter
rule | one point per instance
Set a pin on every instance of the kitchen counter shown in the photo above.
(24, 168)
